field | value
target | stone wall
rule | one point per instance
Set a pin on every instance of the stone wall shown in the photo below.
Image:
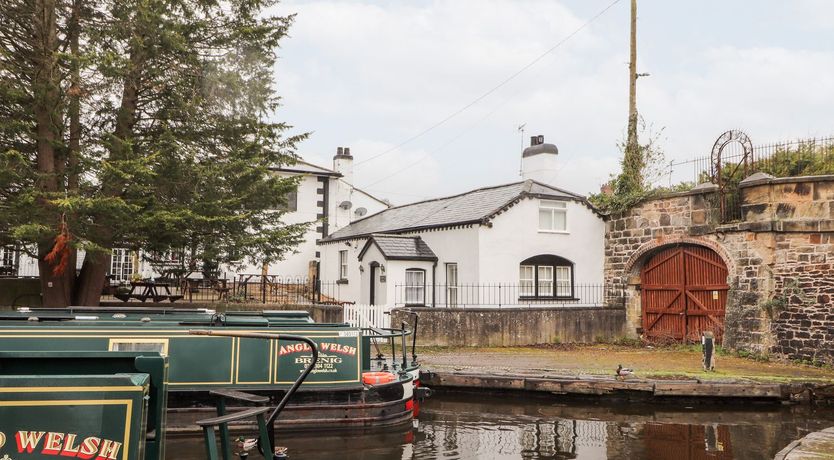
(510, 327)
(779, 259)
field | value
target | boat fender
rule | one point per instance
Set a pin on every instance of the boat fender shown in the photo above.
(377, 378)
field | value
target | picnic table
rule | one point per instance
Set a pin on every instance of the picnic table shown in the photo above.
(144, 290)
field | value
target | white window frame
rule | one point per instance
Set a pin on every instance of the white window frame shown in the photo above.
(415, 292)
(564, 281)
(343, 264)
(452, 284)
(7, 257)
(548, 212)
(545, 278)
(527, 280)
(121, 264)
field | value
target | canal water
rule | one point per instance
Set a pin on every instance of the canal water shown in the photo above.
(474, 426)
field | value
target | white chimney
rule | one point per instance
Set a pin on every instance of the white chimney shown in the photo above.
(342, 207)
(538, 162)
(343, 164)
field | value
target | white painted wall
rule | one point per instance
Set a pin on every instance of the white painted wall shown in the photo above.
(515, 236)
(484, 254)
(329, 270)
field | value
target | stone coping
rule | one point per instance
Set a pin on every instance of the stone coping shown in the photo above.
(611, 386)
(816, 445)
(787, 180)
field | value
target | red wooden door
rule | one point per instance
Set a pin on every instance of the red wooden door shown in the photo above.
(684, 293)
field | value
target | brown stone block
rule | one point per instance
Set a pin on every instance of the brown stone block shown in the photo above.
(757, 194)
(823, 191)
(800, 225)
(815, 238)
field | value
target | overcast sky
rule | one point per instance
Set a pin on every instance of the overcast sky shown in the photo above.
(372, 74)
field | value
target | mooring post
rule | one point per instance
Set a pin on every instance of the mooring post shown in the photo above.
(708, 348)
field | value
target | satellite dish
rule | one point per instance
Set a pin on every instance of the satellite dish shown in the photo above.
(345, 204)
(361, 211)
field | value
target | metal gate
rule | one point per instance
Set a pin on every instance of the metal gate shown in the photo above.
(684, 292)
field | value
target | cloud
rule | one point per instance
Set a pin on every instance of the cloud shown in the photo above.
(371, 74)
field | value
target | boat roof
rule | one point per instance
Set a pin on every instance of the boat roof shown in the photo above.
(168, 317)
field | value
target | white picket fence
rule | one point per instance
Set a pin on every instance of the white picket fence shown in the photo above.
(377, 316)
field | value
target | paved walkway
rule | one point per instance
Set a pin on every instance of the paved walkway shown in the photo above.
(601, 360)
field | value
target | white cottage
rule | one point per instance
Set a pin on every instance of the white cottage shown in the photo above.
(520, 243)
(328, 200)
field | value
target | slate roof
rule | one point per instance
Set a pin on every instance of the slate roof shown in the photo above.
(476, 206)
(397, 247)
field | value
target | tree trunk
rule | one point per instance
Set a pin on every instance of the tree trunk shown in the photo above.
(91, 280)
(55, 287)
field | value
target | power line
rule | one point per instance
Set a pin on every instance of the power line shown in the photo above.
(494, 88)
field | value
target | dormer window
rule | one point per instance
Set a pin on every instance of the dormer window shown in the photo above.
(553, 216)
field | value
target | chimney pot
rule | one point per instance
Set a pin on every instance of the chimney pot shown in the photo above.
(339, 150)
(540, 139)
(347, 150)
(533, 140)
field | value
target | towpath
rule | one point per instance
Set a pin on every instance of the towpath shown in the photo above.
(602, 360)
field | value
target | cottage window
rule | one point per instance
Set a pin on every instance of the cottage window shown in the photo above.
(7, 256)
(527, 280)
(452, 284)
(415, 286)
(121, 264)
(343, 265)
(292, 202)
(553, 216)
(545, 277)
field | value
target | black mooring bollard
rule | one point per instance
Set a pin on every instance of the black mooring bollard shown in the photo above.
(280, 454)
(243, 455)
(708, 348)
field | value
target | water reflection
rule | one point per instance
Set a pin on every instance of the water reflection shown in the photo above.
(461, 426)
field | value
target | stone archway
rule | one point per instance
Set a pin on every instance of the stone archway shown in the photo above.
(677, 288)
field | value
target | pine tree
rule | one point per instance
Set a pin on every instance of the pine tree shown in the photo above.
(142, 124)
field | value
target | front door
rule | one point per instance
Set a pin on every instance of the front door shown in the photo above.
(684, 293)
(373, 285)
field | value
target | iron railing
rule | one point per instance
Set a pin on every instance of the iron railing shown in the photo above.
(243, 289)
(803, 157)
(510, 295)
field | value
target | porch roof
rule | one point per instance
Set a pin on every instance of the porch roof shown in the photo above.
(396, 247)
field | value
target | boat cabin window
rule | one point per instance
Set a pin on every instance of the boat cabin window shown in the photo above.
(136, 344)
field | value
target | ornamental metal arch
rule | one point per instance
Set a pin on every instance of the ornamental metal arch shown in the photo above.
(729, 195)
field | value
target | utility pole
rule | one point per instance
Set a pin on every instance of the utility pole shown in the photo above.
(631, 178)
(632, 80)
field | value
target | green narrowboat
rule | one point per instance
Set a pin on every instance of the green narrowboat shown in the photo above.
(338, 393)
(86, 405)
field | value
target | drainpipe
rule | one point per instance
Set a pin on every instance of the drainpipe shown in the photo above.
(433, 284)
